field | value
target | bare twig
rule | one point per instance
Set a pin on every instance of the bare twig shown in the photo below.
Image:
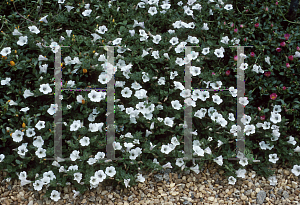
(21, 15)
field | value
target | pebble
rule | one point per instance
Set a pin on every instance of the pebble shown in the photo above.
(166, 187)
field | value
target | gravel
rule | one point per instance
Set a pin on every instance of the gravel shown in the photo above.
(210, 187)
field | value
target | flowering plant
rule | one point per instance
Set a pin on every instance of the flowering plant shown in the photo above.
(150, 97)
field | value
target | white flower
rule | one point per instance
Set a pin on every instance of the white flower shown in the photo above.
(243, 100)
(74, 155)
(40, 125)
(42, 58)
(110, 171)
(45, 88)
(126, 182)
(275, 117)
(179, 162)
(69, 35)
(77, 177)
(17, 33)
(69, 8)
(126, 92)
(244, 66)
(43, 68)
(38, 185)
(217, 99)
(219, 53)
(53, 108)
(231, 180)
(243, 161)
(34, 29)
(273, 158)
(55, 195)
(296, 170)
(205, 27)
(87, 12)
(40, 153)
(5, 51)
(43, 19)
(241, 173)
(267, 59)
(219, 160)
(85, 141)
(140, 178)
(225, 40)
(198, 150)
(169, 121)
(95, 96)
(6, 81)
(165, 149)
(17, 136)
(152, 11)
(228, 7)
(54, 47)
(174, 141)
(195, 70)
(75, 125)
(102, 29)
(22, 40)
(176, 104)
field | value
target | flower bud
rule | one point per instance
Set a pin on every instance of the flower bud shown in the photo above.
(283, 88)
(263, 117)
(278, 49)
(298, 48)
(227, 72)
(259, 109)
(256, 25)
(282, 44)
(235, 30)
(235, 58)
(287, 65)
(291, 57)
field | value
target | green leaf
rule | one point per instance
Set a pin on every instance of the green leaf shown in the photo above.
(266, 110)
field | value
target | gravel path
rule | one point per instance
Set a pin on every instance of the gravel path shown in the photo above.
(210, 187)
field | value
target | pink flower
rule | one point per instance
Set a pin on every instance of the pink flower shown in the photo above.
(242, 26)
(267, 73)
(235, 58)
(235, 30)
(291, 57)
(259, 109)
(278, 49)
(283, 88)
(213, 73)
(245, 39)
(271, 25)
(247, 10)
(227, 72)
(252, 54)
(273, 96)
(263, 117)
(287, 65)
(282, 44)
(286, 36)
(298, 48)
(232, 25)
(267, 9)
(276, 3)
(224, 23)
(256, 25)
